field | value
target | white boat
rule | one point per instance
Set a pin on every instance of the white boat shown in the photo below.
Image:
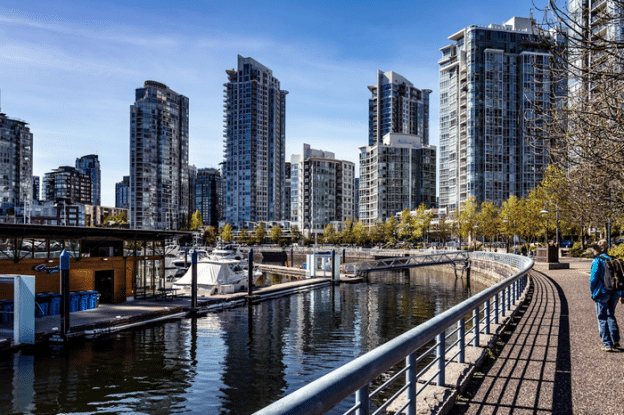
(227, 252)
(224, 276)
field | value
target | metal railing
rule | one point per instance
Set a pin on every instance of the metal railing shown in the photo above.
(445, 257)
(407, 362)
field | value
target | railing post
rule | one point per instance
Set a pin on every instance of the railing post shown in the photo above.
(440, 354)
(508, 295)
(410, 379)
(461, 330)
(513, 293)
(361, 401)
(486, 329)
(496, 308)
(475, 327)
(503, 303)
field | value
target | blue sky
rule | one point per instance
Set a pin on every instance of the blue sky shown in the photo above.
(70, 68)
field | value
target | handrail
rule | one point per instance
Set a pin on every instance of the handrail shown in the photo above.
(354, 377)
(444, 257)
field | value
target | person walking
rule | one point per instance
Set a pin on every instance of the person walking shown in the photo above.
(605, 300)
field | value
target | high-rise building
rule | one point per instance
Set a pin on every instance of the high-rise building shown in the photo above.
(255, 135)
(159, 142)
(492, 80)
(322, 190)
(192, 175)
(36, 188)
(122, 193)
(396, 106)
(209, 195)
(286, 197)
(90, 165)
(397, 168)
(67, 185)
(16, 165)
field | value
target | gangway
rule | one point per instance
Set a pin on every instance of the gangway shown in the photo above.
(24, 309)
(448, 257)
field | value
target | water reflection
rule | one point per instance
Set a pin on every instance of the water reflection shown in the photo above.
(233, 362)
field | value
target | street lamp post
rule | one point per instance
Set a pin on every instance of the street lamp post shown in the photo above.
(546, 212)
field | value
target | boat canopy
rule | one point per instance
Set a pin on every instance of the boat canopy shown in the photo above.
(214, 273)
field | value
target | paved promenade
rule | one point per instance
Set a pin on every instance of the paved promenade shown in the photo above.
(551, 362)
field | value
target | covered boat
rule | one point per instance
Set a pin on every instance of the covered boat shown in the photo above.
(215, 277)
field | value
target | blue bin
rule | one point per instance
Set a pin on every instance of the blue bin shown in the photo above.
(84, 300)
(54, 309)
(93, 299)
(74, 302)
(7, 311)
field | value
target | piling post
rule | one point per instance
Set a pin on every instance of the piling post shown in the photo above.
(333, 266)
(250, 273)
(194, 280)
(64, 267)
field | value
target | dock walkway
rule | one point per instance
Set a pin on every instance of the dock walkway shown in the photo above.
(552, 362)
(114, 317)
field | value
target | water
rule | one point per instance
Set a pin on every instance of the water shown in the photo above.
(233, 362)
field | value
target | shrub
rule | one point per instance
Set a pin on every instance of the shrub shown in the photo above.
(576, 250)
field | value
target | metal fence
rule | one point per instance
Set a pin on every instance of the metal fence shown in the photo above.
(414, 360)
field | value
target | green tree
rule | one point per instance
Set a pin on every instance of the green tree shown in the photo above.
(466, 217)
(296, 234)
(422, 222)
(245, 238)
(276, 234)
(261, 233)
(196, 221)
(391, 231)
(510, 218)
(360, 234)
(377, 233)
(488, 220)
(210, 235)
(347, 235)
(329, 234)
(226, 233)
(406, 225)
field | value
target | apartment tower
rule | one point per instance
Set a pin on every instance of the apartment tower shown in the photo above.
(397, 168)
(495, 81)
(255, 134)
(16, 166)
(159, 142)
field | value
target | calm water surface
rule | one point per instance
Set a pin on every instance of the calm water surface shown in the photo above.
(232, 362)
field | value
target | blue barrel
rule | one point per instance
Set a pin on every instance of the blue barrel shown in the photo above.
(44, 304)
(55, 304)
(93, 299)
(84, 300)
(74, 302)
(7, 308)
(3, 315)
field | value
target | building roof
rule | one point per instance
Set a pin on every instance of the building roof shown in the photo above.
(10, 230)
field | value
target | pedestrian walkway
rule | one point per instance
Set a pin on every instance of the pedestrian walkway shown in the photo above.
(552, 363)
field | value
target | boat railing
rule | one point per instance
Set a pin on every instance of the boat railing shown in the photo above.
(418, 358)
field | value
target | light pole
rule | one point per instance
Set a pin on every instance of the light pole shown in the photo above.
(546, 212)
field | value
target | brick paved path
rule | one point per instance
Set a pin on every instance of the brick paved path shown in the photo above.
(552, 363)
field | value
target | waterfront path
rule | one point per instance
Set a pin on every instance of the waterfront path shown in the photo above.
(551, 363)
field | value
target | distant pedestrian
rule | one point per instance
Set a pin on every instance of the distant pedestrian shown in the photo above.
(606, 301)
(524, 250)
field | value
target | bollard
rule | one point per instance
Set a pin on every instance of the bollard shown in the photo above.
(333, 265)
(64, 267)
(250, 273)
(194, 280)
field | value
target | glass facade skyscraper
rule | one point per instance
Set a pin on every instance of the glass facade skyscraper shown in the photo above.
(495, 82)
(90, 165)
(255, 135)
(159, 142)
(208, 196)
(16, 165)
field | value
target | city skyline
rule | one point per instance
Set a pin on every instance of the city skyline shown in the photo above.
(70, 69)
